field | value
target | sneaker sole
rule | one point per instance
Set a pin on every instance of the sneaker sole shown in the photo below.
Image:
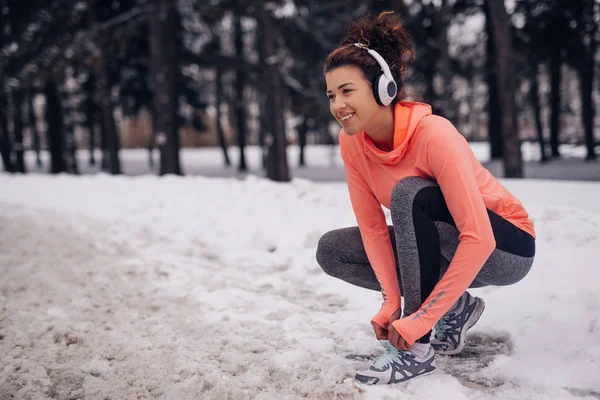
(479, 308)
(365, 380)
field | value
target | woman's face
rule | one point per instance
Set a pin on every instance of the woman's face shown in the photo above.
(351, 99)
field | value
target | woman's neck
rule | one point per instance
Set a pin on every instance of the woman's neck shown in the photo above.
(381, 130)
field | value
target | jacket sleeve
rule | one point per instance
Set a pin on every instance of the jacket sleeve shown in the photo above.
(449, 159)
(376, 239)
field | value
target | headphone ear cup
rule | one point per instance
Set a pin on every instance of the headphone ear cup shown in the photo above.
(384, 90)
(387, 90)
(376, 89)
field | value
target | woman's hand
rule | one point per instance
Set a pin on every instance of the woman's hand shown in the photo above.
(382, 333)
(397, 340)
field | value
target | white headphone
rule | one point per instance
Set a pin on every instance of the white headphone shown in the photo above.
(384, 86)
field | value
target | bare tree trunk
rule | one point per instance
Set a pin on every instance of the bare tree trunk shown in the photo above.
(277, 166)
(104, 162)
(555, 99)
(32, 122)
(91, 128)
(513, 165)
(260, 38)
(5, 140)
(70, 146)
(5, 143)
(263, 130)
(240, 84)
(585, 69)
(219, 100)
(493, 105)
(302, 133)
(163, 34)
(110, 145)
(587, 107)
(91, 112)
(533, 69)
(18, 147)
(151, 140)
(55, 131)
(534, 95)
(306, 78)
(5, 148)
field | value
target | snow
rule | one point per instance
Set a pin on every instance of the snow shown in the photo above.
(139, 287)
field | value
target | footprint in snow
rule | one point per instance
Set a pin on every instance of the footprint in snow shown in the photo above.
(480, 350)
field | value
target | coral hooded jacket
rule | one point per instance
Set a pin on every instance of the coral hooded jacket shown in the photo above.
(427, 146)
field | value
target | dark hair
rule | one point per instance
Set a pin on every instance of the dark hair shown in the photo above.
(383, 33)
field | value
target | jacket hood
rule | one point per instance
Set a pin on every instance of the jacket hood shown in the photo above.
(407, 116)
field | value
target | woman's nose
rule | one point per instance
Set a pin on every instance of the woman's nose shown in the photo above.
(339, 104)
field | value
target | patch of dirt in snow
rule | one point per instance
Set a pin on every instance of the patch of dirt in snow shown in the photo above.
(93, 310)
(584, 393)
(480, 350)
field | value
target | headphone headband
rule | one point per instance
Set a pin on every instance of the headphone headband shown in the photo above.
(384, 67)
(384, 86)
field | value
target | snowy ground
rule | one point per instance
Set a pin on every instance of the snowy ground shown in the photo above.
(199, 288)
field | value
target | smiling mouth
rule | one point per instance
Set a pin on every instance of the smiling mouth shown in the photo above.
(347, 117)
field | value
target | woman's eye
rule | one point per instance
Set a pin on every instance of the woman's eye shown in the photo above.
(330, 97)
(347, 90)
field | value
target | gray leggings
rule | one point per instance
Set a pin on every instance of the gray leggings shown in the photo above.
(421, 220)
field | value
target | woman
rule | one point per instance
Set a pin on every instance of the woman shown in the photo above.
(454, 226)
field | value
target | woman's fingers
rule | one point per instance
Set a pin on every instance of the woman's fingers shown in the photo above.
(397, 340)
(380, 333)
(403, 345)
(394, 337)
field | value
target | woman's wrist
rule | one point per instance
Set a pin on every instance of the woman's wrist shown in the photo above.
(382, 317)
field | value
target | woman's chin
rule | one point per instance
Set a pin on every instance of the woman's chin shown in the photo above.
(351, 131)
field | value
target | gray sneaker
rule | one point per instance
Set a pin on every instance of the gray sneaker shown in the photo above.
(395, 366)
(451, 331)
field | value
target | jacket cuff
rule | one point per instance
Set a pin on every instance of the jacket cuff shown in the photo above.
(382, 318)
(409, 329)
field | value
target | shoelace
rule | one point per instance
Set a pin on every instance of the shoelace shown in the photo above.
(390, 354)
(440, 328)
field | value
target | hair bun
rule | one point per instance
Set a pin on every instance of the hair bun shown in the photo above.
(385, 34)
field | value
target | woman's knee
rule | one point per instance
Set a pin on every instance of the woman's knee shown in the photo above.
(327, 251)
(519, 271)
(504, 269)
(405, 192)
